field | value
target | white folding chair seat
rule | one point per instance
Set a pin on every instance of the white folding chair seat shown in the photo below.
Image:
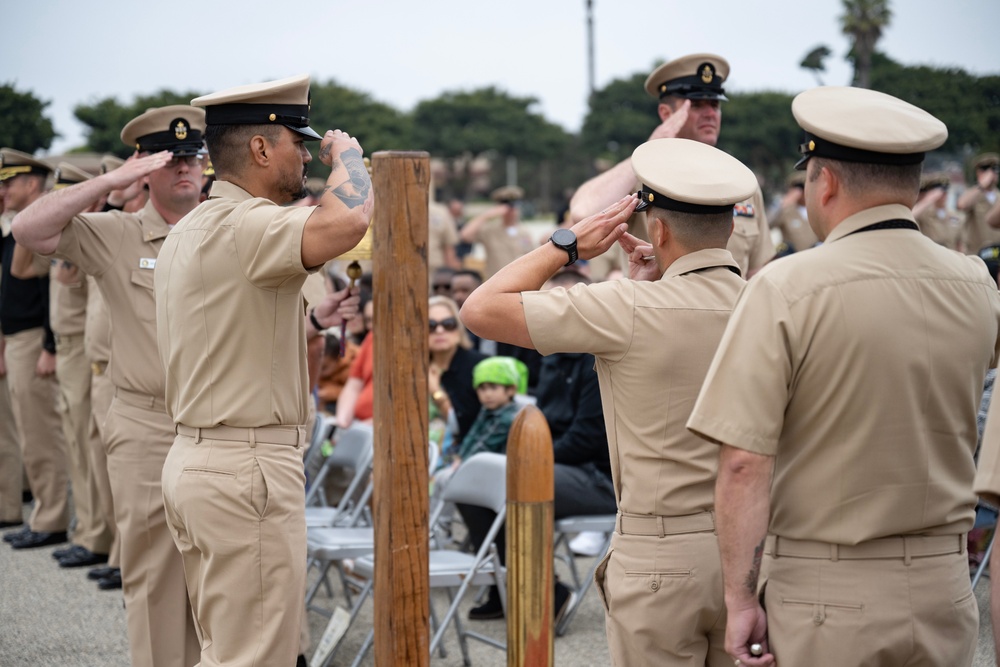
(564, 528)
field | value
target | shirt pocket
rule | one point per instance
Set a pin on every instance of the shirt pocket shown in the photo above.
(143, 296)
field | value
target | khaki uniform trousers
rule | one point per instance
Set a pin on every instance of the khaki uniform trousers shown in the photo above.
(43, 447)
(663, 595)
(236, 510)
(160, 625)
(73, 371)
(11, 470)
(870, 612)
(102, 392)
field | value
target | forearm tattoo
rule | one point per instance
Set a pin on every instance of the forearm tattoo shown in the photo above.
(754, 574)
(354, 191)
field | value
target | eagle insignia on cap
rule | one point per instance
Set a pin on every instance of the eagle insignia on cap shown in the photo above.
(180, 130)
(707, 73)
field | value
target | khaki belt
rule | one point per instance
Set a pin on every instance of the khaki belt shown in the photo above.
(293, 436)
(660, 526)
(140, 400)
(899, 546)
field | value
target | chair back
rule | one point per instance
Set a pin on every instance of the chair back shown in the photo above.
(481, 480)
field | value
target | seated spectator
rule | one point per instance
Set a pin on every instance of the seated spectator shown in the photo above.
(441, 281)
(449, 375)
(336, 368)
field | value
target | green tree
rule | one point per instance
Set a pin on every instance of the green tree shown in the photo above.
(863, 21)
(25, 127)
(969, 105)
(759, 129)
(106, 118)
(461, 125)
(621, 117)
(813, 61)
(376, 125)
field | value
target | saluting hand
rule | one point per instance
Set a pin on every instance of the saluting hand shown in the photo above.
(669, 128)
(594, 235)
(126, 181)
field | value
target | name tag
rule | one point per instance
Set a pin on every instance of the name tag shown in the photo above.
(147, 263)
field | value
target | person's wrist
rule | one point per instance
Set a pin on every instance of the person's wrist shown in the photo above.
(315, 322)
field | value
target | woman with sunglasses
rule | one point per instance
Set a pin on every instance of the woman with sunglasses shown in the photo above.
(449, 376)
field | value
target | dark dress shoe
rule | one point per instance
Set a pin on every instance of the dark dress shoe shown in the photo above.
(83, 558)
(99, 573)
(15, 535)
(10, 524)
(33, 540)
(72, 549)
(490, 609)
(110, 582)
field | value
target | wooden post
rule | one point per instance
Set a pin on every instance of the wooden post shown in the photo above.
(530, 493)
(402, 583)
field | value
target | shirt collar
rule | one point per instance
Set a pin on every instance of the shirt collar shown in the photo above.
(153, 225)
(229, 190)
(700, 259)
(869, 216)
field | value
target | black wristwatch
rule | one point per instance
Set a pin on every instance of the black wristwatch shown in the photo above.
(565, 239)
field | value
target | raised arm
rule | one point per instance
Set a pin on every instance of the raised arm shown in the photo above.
(39, 227)
(494, 309)
(471, 229)
(345, 207)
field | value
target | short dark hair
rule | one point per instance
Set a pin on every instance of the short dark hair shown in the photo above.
(696, 231)
(857, 177)
(227, 145)
(472, 273)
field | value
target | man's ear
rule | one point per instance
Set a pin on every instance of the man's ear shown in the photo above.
(664, 110)
(829, 185)
(259, 148)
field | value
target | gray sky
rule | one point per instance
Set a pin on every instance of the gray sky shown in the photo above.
(401, 51)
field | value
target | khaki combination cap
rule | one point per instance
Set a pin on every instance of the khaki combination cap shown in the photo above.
(14, 163)
(67, 174)
(282, 102)
(986, 161)
(698, 76)
(690, 177)
(178, 128)
(936, 179)
(860, 125)
(110, 163)
(507, 193)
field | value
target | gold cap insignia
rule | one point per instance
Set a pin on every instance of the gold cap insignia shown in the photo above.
(650, 196)
(137, 146)
(663, 87)
(812, 145)
(181, 130)
(706, 73)
(272, 118)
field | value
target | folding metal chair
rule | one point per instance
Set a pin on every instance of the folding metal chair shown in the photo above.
(481, 481)
(353, 450)
(563, 529)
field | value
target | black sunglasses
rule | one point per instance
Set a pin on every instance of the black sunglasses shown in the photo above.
(449, 324)
(441, 287)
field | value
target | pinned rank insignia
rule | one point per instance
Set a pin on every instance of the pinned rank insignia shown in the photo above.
(147, 263)
(180, 130)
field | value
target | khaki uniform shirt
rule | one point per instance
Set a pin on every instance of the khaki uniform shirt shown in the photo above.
(502, 244)
(977, 233)
(119, 250)
(230, 314)
(859, 366)
(442, 234)
(67, 306)
(653, 343)
(750, 243)
(795, 229)
(941, 226)
(97, 334)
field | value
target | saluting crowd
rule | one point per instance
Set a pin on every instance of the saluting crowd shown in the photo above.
(788, 434)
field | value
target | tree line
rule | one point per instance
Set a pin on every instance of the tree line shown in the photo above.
(758, 127)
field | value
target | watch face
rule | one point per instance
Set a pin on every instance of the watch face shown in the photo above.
(563, 237)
